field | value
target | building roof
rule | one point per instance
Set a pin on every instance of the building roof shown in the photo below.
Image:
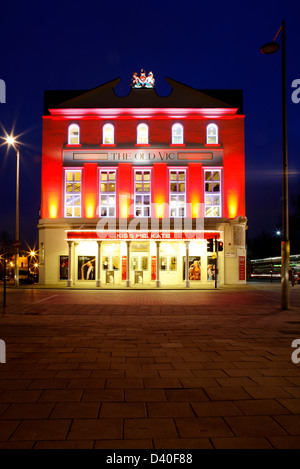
(181, 96)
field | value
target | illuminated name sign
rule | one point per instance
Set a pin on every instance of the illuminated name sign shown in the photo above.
(144, 155)
(136, 235)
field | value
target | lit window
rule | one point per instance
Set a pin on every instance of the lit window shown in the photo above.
(212, 193)
(73, 193)
(107, 196)
(212, 133)
(177, 192)
(73, 134)
(108, 134)
(168, 263)
(177, 133)
(142, 193)
(142, 134)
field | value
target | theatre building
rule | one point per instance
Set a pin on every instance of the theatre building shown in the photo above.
(134, 187)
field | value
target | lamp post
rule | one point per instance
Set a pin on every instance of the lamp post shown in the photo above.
(11, 141)
(270, 48)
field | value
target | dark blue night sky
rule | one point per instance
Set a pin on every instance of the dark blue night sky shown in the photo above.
(204, 44)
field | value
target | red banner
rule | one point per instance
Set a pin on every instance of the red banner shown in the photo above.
(144, 235)
(153, 267)
(124, 267)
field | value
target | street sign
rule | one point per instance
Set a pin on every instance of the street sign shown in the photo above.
(17, 244)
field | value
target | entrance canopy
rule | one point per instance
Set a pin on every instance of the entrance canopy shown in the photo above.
(94, 235)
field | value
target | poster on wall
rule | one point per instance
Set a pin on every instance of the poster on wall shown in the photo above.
(63, 267)
(86, 268)
(194, 268)
(211, 268)
(138, 277)
(110, 276)
(242, 268)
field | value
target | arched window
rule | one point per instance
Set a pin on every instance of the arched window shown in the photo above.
(142, 134)
(108, 134)
(177, 133)
(212, 133)
(73, 134)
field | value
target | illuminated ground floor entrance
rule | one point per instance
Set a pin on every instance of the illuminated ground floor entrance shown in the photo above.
(156, 262)
(127, 258)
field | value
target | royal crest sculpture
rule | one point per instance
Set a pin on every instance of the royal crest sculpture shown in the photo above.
(143, 81)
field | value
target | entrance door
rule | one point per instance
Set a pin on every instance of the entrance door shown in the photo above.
(111, 267)
(140, 267)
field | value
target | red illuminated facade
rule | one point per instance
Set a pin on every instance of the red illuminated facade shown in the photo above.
(132, 187)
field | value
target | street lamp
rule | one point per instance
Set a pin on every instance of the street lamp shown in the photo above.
(270, 48)
(10, 140)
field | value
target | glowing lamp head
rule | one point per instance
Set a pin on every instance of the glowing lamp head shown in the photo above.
(10, 140)
(32, 253)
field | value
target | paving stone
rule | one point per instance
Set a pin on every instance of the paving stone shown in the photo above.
(144, 395)
(254, 426)
(202, 427)
(123, 410)
(215, 409)
(124, 444)
(42, 430)
(261, 407)
(103, 395)
(95, 429)
(149, 428)
(241, 443)
(291, 423)
(28, 411)
(75, 410)
(185, 395)
(64, 444)
(7, 427)
(169, 409)
(182, 443)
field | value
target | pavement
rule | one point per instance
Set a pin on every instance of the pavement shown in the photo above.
(150, 369)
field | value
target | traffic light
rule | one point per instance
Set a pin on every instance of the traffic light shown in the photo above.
(210, 245)
(220, 246)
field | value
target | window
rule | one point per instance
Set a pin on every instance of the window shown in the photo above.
(177, 192)
(107, 196)
(177, 134)
(73, 193)
(108, 137)
(142, 193)
(73, 134)
(142, 134)
(212, 192)
(168, 263)
(212, 133)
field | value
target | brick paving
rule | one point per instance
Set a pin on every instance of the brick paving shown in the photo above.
(146, 369)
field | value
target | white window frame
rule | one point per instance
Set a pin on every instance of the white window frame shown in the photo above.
(70, 128)
(176, 194)
(107, 193)
(214, 136)
(138, 134)
(108, 128)
(73, 195)
(212, 193)
(179, 126)
(142, 193)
